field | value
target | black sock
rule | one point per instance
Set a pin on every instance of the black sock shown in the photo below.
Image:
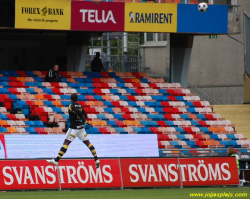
(93, 151)
(61, 152)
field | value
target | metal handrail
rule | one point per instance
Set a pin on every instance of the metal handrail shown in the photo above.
(204, 95)
(245, 12)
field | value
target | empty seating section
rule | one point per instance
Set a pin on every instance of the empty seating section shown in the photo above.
(116, 103)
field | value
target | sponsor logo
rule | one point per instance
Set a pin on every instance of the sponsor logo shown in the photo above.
(96, 16)
(152, 18)
(42, 11)
(46, 174)
(189, 172)
(132, 16)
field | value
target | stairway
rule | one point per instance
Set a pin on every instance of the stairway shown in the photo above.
(238, 115)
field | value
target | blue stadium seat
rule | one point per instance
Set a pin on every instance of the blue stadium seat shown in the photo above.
(158, 116)
(39, 123)
(108, 110)
(47, 91)
(94, 130)
(190, 104)
(214, 136)
(170, 123)
(132, 104)
(231, 136)
(4, 79)
(151, 116)
(81, 98)
(34, 133)
(38, 79)
(30, 73)
(118, 116)
(191, 110)
(31, 130)
(21, 104)
(200, 116)
(73, 85)
(111, 123)
(3, 117)
(90, 91)
(4, 91)
(64, 79)
(163, 91)
(145, 123)
(204, 129)
(82, 91)
(65, 116)
(107, 103)
(30, 123)
(65, 103)
(142, 110)
(195, 123)
(224, 142)
(152, 123)
(146, 130)
(66, 97)
(98, 97)
(130, 90)
(4, 84)
(144, 80)
(115, 91)
(179, 98)
(101, 116)
(119, 130)
(48, 103)
(123, 97)
(57, 110)
(181, 136)
(179, 129)
(3, 129)
(185, 116)
(31, 90)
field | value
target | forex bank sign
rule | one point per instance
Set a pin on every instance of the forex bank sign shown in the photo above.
(33, 14)
(103, 16)
(151, 17)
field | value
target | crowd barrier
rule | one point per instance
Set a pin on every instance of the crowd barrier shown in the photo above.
(118, 173)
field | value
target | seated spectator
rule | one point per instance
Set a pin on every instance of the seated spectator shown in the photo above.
(53, 74)
(96, 64)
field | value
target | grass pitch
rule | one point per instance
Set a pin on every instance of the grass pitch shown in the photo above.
(173, 193)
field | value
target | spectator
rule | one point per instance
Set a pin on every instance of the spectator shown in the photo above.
(230, 152)
(53, 74)
(96, 64)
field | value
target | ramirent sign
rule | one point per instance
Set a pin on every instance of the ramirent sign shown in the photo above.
(129, 172)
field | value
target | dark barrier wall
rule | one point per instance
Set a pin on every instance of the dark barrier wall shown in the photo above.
(7, 13)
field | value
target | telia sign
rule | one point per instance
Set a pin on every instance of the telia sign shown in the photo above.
(97, 16)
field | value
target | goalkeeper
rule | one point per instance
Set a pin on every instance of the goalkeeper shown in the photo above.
(78, 118)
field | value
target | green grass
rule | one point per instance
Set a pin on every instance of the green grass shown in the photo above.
(173, 193)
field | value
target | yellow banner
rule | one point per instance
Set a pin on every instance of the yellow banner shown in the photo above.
(150, 17)
(43, 14)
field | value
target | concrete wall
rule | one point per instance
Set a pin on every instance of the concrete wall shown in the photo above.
(155, 59)
(217, 65)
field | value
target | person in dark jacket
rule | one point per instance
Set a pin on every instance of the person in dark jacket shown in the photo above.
(96, 64)
(53, 74)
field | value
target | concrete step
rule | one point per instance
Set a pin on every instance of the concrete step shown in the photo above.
(238, 115)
